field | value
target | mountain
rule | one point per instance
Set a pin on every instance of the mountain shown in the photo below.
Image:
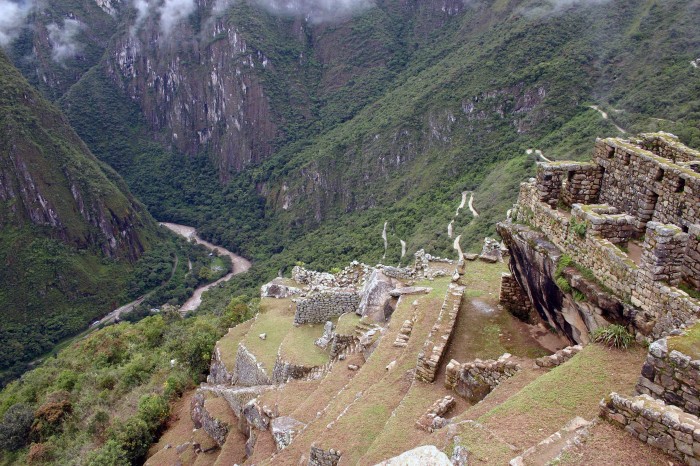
(70, 231)
(247, 119)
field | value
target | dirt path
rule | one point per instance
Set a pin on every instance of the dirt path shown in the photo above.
(240, 265)
(471, 206)
(605, 117)
(539, 154)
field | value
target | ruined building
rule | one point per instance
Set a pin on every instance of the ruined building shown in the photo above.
(614, 240)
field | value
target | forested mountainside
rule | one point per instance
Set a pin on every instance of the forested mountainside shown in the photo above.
(70, 231)
(291, 137)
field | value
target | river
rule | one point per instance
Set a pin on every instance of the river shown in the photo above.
(240, 265)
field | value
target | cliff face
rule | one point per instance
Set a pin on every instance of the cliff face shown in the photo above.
(533, 263)
(70, 230)
(48, 178)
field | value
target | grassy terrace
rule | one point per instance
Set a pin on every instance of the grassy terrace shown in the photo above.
(688, 344)
(346, 323)
(354, 417)
(276, 319)
(532, 412)
(228, 345)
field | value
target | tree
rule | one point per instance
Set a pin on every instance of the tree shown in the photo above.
(15, 426)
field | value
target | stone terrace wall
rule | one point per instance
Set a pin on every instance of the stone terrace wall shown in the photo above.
(514, 299)
(247, 371)
(439, 337)
(665, 307)
(660, 425)
(320, 457)
(667, 145)
(671, 376)
(605, 222)
(691, 264)
(325, 305)
(476, 379)
(284, 371)
(647, 186)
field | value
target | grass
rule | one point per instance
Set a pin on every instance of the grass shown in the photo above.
(346, 323)
(688, 343)
(228, 345)
(572, 389)
(298, 346)
(274, 319)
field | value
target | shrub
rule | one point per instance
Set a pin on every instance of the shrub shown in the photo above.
(15, 426)
(614, 336)
(111, 454)
(578, 228)
(154, 410)
(578, 296)
(563, 285)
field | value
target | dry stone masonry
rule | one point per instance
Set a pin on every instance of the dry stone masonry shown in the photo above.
(325, 305)
(671, 376)
(558, 358)
(320, 457)
(404, 334)
(476, 379)
(436, 344)
(433, 419)
(660, 425)
(513, 298)
(636, 195)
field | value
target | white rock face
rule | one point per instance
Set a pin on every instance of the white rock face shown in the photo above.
(427, 455)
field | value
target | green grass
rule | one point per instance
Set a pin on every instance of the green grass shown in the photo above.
(572, 389)
(688, 343)
(346, 323)
(274, 319)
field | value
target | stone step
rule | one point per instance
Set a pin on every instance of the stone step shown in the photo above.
(551, 448)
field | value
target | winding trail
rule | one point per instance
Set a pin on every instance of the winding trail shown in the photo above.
(471, 206)
(539, 154)
(605, 117)
(240, 264)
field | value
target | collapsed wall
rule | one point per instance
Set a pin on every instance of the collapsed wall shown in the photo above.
(622, 225)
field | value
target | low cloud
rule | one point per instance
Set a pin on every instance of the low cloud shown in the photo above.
(174, 11)
(553, 7)
(316, 11)
(13, 17)
(64, 40)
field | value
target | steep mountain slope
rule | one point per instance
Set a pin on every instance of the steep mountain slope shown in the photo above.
(250, 124)
(70, 230)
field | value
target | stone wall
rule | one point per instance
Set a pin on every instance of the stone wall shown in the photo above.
(568, 183)
(248, 371)
(660, 425)
(514, 299)
(666, 145)
(339, 343)
(434, 419)
(648, 186)
(320, 457)
(400, 273)
(604, 222)
(439, 337)
(560, 357)
(324, 305)
(219, 374)
(668, 252)
(691, 263)
(474, 380)
(671, 376)
(285, 371)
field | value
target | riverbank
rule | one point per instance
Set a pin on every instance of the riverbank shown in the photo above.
(240, 264)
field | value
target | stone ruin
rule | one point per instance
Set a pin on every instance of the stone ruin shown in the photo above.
(434, 419)
(664, 413)
(627, 222)
(616, 240)
(476, 379)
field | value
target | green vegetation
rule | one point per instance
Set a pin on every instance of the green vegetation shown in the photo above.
(578, 227)
(110, 391)
(615, 336)
(688, 343)
(58, 273)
